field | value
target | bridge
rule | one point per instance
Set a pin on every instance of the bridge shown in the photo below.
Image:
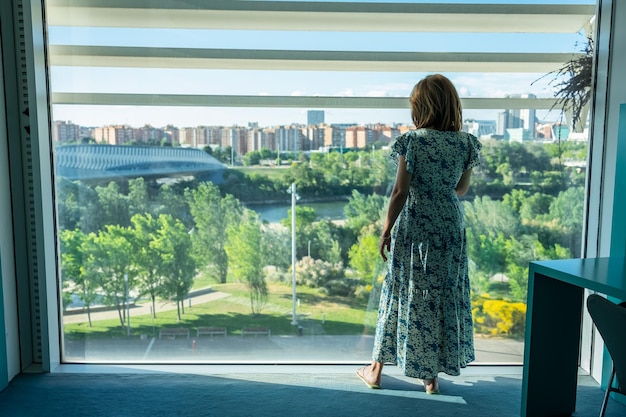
(97, 162)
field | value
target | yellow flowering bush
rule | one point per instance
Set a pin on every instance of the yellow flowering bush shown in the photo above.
(498, 317)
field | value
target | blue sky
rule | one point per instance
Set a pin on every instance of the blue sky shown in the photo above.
(306, 83)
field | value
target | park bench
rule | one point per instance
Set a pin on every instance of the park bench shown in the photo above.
(211, 331)
(256, 331)
(173, 332)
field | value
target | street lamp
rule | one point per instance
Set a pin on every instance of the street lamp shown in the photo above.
(294, 196)
(127, 306)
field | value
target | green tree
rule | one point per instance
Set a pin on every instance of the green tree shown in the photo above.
(178, 269)
(276, 247)
(173, 202)
(138, 200)
(364, 257)
(78, 206)
(487, 216)
(147, 257)
(114, 205)
(244, 251)
(364, 210)
(305, 216)
(489, 224)
(515, 199)
(252, 158)
(73, 268)
(535, 206)
(212, 215)
(567, 211)
(110, 259)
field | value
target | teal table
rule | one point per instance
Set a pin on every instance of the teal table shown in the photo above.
(553, 328)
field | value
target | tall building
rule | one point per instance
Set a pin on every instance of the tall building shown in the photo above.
(359, 137)
(259, 139)
(517, 118)
(479, 128)
(288, 138)
(63, 132)
(114, 135)
(313, 136)
(314, 117)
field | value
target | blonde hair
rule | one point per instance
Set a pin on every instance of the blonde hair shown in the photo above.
(435, 104)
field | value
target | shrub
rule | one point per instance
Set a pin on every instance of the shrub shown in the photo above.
(328, 277)
(498, 317)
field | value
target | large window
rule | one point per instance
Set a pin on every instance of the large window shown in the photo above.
(184, 137)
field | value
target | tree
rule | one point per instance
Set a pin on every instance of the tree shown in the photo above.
(114, 205)
(178, 269)
(276, 247)
(73, 268)
(567, 210)
(364, 210)
(364, 257)
(110, 259)
(244, 251)
(78, 206)
(487, 216)
(305, 216)
(324, 235)
(147, 257)
(489, 224)
(138, 201)
(172, 202)
(252, 158)
(535, 206)
(212, 216)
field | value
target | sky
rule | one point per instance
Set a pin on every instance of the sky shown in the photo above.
(287, 83)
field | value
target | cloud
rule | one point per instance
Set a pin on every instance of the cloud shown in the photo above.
(345, 93)
(464, 92)
(498, 85)
(377, 93)
(298, 93)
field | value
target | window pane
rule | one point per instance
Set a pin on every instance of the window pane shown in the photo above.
(183, 145)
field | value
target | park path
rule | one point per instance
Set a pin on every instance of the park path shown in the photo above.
(143, 309)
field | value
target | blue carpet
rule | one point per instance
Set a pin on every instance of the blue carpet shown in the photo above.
(276, 394)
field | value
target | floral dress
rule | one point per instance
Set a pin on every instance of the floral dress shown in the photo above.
(425, 314)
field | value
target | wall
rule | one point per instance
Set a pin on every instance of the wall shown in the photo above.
(4, 372)
(9, 335)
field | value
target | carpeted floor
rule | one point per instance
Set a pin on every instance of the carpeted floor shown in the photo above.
(336, 393)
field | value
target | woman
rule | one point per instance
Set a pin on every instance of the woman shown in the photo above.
(425, 314)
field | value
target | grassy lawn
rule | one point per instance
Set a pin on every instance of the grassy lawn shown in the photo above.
(317, 314)
(273, 173)
(202, 281)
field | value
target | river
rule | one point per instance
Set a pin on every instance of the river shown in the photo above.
(275, 213)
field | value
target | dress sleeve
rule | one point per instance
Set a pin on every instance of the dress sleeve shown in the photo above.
(399, 148)
(474, 152)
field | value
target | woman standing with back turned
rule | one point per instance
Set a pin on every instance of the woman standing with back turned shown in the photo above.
(425, 314)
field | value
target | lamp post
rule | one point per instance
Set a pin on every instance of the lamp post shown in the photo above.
(127, 306)
(294, 318)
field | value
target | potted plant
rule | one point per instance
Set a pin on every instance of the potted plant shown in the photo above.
(572, 83)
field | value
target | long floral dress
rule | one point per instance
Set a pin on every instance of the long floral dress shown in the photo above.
(425, 314)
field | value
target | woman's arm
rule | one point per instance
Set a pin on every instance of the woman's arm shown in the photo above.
(396, 203)
(464, 182)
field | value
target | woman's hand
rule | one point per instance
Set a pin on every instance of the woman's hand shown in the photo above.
(385, 245)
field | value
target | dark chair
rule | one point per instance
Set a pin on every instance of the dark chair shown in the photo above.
(610, 320)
